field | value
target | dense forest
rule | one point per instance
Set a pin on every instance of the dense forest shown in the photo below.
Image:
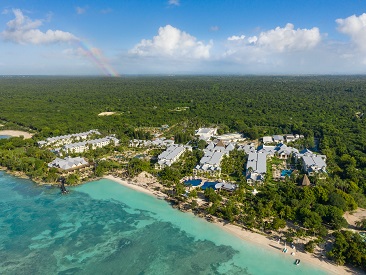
(327, 110)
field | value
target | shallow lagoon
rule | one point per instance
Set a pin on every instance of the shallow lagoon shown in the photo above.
(103, 227)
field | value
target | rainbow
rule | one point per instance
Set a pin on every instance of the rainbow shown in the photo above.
(97, 57)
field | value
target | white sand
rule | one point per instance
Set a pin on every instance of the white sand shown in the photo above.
(134, 186)
(357, 215)
(106, 113)
(14, 133)
(308, 258)
(258, 239)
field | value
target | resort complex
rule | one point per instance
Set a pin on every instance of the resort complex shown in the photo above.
(294, 177)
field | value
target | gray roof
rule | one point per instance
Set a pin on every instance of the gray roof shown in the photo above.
(278, 137)
(248, 148)
(67, 163)
(258, 162)
(314, 161)
(172, 152)
(226, 186)
(82, 135)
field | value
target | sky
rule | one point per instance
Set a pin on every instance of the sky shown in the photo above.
(128, 37)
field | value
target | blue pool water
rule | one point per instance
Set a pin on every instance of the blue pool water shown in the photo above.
(286, 173)
(103, 227)
(4, 137)
(193, 182)
(209, 184)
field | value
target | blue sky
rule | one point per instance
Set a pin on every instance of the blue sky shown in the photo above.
(122, 37)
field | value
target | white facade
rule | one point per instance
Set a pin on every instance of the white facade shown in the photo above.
(206, 133)
(65, 139)
(81, 147)
(156, 143)
(171, 155)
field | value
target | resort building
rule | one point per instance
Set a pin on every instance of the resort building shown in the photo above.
(83, 146)
(267, 150)
(281, 138)
(232, 137)
(171, 155)
(61, 140)
(267, 139)
(206, 133)
(68, 163)
(256, 167)
(282, 151)
(290, 138)
(211, 160)
(226, 186)
(278, 138)
(247, 148)
(156, 143)
(311, 162)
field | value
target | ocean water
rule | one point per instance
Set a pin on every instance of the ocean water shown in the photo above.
(104, 228)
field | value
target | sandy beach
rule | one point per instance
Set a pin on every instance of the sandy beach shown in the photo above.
(255, 238)
(308, 258)
(15, 133)
(149, 191)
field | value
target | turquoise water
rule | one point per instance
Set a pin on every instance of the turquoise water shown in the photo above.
(105, 228)
(286, 173)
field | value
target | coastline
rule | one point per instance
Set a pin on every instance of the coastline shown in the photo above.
(258, 239)
(139, 188)
(255, 238)
(15, 133)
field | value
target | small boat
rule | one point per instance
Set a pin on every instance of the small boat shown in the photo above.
(297, 262)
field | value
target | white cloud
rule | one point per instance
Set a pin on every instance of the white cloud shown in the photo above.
(355, 27)
(287, 38)
(5, 11)
(23, 30)
(236, 38)
(269, 45)
(174, 2)
(174, 43)
(80, 10)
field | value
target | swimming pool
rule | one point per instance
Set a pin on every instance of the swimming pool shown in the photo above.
(209, 184)
(195, 182)
(285, 173)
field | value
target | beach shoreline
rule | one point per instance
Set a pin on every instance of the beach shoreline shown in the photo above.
(16, 133)
(258, 239)
(130, 184)
(252, 237)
